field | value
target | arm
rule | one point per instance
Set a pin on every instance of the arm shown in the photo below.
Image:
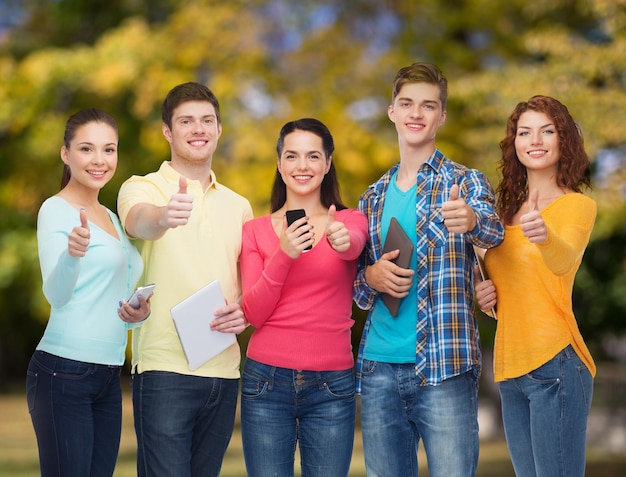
(59, 269)
(150, 222)
(347, 238)
(488, 231)
(262, 284)
(564, 247)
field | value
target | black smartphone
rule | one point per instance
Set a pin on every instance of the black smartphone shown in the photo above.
(293, 215)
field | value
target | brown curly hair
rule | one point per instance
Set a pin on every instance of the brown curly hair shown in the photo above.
(573, 168)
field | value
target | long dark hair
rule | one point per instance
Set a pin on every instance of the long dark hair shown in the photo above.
(573, 168)
(330, 185)
(77, 120)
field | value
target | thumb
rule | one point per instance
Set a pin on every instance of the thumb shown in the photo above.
(532, 200)
(83, 219)
(454, 192)
(182, 185)
(331, 215)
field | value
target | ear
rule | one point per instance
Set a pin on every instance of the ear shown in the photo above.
(391, 113)
(65, 155)
(166, 132)
(442, 118)
(328, 163)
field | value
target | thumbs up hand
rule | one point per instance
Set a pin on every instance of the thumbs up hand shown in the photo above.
(458, 216)
(178, 210)
(78, 240)
(532, 223)
(337, 233)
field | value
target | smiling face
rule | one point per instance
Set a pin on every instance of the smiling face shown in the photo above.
(92, 155)
(537, 142)
(417, 113)
(303, 163)
(194, 133)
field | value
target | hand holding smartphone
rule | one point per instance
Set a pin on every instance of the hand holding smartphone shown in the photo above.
(292, 216)
(144, 291)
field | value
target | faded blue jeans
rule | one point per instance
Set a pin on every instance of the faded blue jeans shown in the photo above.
(545, 417)
(76, 409)
(396, 413)
(183, 423)
(283, 407)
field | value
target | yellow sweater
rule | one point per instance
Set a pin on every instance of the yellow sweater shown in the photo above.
(534, 285)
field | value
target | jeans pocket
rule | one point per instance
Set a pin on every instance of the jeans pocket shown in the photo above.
(252, 386)
(368, 367)
(31, 388)
(340, 386)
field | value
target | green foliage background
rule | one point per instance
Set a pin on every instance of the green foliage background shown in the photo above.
(276, 60)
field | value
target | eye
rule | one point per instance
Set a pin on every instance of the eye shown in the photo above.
(429, 107)
(523, 133)
(85, 149)
(208, 121)
(315, 157)
(549, 131)
(110, 150)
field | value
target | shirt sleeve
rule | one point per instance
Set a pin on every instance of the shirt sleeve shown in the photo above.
(59, 269)
(364, 296)
(479, 195)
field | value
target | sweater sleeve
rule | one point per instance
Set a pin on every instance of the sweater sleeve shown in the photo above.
(568, 238)
(356, 223)
(262, 279)
(59, 270)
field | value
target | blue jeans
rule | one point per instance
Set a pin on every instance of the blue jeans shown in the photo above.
(281, 407)
(396, 413)
(183, 423)
(76, 409)
(545, 417)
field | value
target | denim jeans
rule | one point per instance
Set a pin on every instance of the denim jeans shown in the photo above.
(283, 407)
(76, 409)
(396, 413)
(545, 417)
(183, 423)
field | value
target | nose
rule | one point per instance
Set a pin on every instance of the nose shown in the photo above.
(301, 163)
(536, 138)
(98, 157)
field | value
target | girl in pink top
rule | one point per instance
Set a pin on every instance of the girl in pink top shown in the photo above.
(297, 380)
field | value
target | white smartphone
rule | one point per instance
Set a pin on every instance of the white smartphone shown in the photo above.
(145, 291)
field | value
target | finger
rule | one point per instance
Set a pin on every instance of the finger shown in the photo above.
(454, 192)
(83, 219)
(532, 200)
(332, 210)
(182, 185)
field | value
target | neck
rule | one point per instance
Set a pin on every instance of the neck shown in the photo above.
(199, 172)
(312, 205)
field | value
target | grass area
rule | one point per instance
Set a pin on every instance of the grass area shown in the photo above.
(18, 450)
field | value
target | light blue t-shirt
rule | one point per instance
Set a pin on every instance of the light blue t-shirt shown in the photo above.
(392, 339)
(84, 293)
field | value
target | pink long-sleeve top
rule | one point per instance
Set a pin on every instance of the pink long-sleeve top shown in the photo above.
(301, 308)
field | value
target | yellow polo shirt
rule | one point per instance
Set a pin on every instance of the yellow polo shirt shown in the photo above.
(534, 285)
(181, 262)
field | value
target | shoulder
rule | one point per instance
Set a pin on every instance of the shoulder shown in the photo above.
(351, 215)
(575, 202)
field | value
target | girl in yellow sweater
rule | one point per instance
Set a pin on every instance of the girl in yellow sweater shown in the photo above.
(543, 367)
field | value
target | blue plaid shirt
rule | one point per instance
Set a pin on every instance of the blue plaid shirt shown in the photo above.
(453, 345)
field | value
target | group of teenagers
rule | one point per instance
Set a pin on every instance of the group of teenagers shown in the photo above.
(416, 373)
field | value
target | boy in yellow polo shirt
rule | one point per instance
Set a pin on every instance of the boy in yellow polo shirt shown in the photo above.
(190, 227)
